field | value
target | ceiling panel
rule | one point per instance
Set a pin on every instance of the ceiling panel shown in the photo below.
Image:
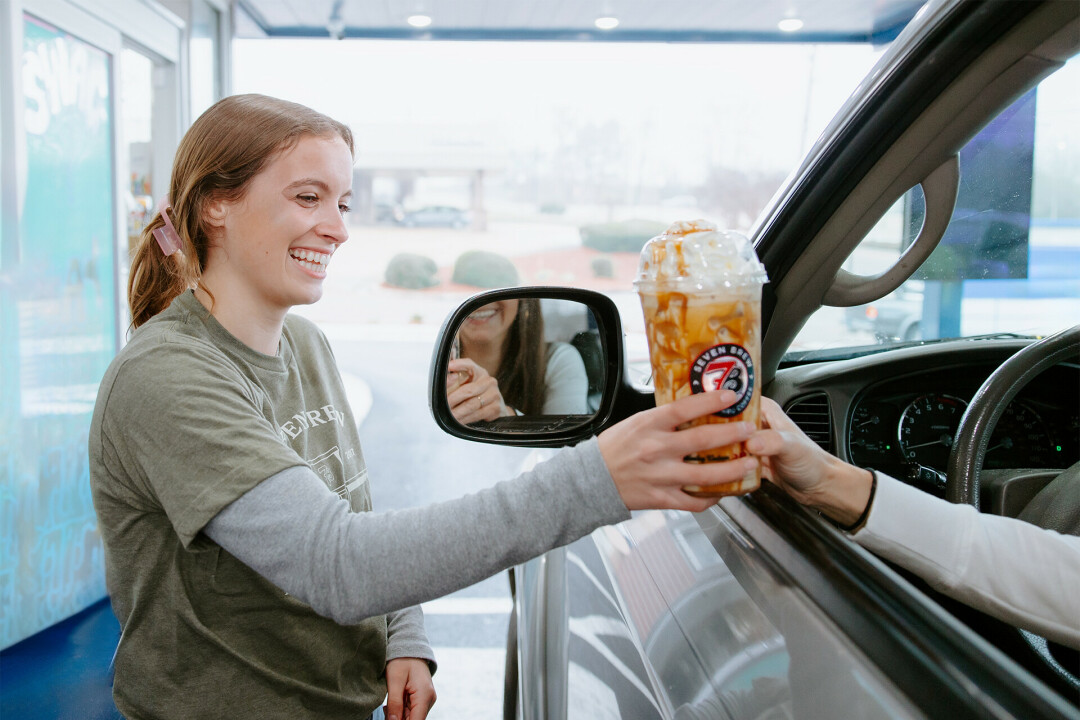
(873, 21)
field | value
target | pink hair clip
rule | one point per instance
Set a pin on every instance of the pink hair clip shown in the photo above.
(167, 237)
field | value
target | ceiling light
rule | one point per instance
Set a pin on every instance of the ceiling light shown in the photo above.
(419, 21)
(790, 25)
(607, 22)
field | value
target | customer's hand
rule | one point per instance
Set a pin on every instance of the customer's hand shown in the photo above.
(805, 471)
(472, 393)
(644, 453)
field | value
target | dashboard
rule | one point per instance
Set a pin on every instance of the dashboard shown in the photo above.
(897, 411)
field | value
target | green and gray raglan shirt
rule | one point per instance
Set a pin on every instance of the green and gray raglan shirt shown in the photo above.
(196, 436)
(188, 419)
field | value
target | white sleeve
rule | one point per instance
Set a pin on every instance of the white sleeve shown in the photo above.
(566, 385)
(1008, 568)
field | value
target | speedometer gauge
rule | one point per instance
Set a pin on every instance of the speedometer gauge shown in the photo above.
(928, 428)
(1020, 440)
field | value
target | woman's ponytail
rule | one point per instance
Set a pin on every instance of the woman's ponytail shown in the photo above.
(156, 279)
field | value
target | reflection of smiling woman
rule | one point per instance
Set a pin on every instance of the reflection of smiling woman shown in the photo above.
(505, 340)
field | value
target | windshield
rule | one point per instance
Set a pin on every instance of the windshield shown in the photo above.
(1009, 261)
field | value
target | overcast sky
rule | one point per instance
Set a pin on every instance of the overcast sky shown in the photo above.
(748, 106)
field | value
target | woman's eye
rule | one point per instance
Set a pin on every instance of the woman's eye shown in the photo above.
(344, 208)
(307, 197)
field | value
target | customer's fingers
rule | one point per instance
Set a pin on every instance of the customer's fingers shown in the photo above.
(768, 442)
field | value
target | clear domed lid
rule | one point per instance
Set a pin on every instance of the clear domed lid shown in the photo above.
(695, 255)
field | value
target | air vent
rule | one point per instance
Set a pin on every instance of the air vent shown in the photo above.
(814, 416)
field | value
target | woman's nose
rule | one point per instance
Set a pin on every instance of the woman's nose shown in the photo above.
(333, 226)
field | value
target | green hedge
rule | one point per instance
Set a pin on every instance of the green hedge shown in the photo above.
(483, 269)
(414, 272)
(621, 236)
(603, 267)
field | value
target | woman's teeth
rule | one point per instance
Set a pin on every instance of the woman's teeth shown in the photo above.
(481, 314)
(311, 260)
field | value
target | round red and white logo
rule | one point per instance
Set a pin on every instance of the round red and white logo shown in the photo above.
(725, 366)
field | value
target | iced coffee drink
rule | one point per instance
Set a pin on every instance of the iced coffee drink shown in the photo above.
(700, 291)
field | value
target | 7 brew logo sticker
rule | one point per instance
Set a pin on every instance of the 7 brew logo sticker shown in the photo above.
(725, 366)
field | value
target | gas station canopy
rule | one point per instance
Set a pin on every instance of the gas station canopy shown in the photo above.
(841, 21)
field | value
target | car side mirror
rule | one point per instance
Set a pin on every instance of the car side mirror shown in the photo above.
(556, 352)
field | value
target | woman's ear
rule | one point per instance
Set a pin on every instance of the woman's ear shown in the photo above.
(216, 211)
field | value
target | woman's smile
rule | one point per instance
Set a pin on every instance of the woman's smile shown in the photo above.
(490, 323)
(483, 314)
(312, 261)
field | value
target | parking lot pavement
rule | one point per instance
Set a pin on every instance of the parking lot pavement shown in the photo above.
(468, 684)
(467, 631)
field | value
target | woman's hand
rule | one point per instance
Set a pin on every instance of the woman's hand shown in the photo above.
(644, 453)
(799, 466)
(473, 395)
(409, 690)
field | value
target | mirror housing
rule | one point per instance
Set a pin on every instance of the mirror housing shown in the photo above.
(612, 398)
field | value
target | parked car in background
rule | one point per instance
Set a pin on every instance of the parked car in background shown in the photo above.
(389, 212)
(896, 317)
(758, 608)
(437, 216)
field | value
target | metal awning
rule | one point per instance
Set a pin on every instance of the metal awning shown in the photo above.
(832, 21)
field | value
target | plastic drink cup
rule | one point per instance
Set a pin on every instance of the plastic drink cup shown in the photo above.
(700, 292)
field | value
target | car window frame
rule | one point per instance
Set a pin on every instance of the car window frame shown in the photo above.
(903, 87)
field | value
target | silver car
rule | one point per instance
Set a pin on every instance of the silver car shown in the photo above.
(757, 608)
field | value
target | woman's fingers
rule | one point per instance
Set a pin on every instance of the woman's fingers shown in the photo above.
(767, 442)
(713, 435)
(693, 406)
(478, 399)
(645, 453)
(716, 473)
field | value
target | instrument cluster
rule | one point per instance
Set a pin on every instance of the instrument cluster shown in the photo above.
(906, 426)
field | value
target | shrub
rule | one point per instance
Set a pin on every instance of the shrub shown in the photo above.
(603, 267)
(407, 270)
(480, 268)
(621, 236)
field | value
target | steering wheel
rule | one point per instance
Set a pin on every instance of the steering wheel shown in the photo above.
(986, 408)
(1057, 505)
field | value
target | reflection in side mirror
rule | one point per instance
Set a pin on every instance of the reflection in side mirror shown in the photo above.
(518, 357)
(527, 364)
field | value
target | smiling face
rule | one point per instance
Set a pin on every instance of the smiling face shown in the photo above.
(272, 247)
(489, 324)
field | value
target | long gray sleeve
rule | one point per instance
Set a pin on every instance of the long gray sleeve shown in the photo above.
(348, 566)
(405, 636)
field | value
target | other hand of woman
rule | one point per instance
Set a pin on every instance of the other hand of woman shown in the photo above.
(805, 471)
(478, 397)
(644, 453)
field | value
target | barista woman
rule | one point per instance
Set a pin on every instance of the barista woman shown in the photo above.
(248, 574)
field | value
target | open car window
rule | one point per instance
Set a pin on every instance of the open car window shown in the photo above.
(1009, 260)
